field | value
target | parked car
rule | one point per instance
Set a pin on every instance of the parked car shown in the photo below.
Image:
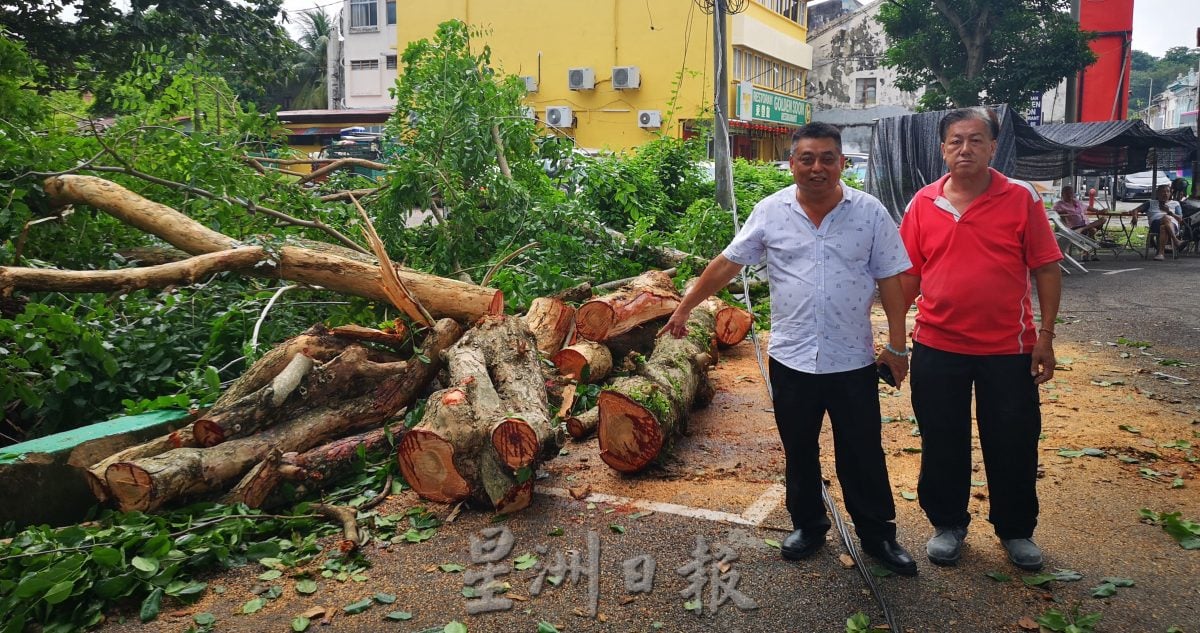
(856, 165)
(1139, 186)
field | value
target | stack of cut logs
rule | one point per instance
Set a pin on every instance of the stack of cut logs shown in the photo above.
(301, 413)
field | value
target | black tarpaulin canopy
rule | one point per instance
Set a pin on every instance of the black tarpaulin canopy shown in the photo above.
(905, 152)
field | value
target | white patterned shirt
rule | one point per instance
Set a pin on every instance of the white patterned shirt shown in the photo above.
(822, 278)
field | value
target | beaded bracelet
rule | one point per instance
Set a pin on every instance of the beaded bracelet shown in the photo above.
(895, 351)
(1047, 331)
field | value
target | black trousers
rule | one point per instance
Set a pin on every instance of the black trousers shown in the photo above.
(852, 400)
(1010, 421)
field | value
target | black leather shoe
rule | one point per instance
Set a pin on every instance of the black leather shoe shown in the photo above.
(892, 556)
(801, 544)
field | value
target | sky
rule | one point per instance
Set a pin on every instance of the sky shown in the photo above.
(1157, 24)
(1161, 24)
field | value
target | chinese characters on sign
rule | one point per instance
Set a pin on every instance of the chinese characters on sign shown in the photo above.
(756, 104)
(710, 568)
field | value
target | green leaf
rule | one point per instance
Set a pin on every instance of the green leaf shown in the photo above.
(772, 543)
(357, 607)
(455, 627)
(270, 574)
(151, 605)
(451, 568)
(1037, 580)
(555, 531)
(1118, 581)
(879, 571)
(692, 605)
(264, 549)
(908, 496)
(300, 624)
(998, 576)
(398, 616)
(108, 557)
(1177, 482)
(384, 598)
(1067, 575)
(525, 561)
(253, 606)
(204, 619)
(524, 474)
(148, 565)
(469, 592)
(1104, 590)
(59, 592)
(617, 529)
(1070, 453)
(546, 627)
(1130, 429)
(1094, 452)
(1053, 620)
(306, 586)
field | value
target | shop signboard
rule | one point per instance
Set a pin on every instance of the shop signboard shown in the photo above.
(764, 105)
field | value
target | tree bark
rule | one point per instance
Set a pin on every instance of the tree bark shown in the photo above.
(585, 361)
(313, 468)
(324, 265)
(550, 319)
(481, 437)
(148, 484)
(185, 272)
(584, 424)
(640, 415)
(648, 297)
(182, 438)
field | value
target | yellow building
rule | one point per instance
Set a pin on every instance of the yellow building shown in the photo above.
(613, 74)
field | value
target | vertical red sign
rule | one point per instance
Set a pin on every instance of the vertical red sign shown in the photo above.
(1104, 86)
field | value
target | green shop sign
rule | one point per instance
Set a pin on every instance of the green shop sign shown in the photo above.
(764, 105)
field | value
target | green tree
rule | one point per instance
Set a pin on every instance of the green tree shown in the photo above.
(89, 51)
(1151, 75)
(310, 68)
(966, 52)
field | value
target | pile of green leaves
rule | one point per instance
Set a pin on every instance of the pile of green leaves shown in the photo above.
(64, 578)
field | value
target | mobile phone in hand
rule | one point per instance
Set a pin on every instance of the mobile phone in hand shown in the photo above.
(885, 374)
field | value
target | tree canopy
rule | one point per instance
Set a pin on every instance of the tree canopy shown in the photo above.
(1151, 75)
(966, 52)
(86, 44)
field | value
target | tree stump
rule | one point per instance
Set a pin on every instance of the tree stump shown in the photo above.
(640, 415)
(585, 361)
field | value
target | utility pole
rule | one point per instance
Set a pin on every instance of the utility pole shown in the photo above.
(724, 174)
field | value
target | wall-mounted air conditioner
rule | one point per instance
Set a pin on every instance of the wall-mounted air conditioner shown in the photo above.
(626, 77)
(530, 83)
(528, 112)
(560, 116)
(581, 78)
(649, 118)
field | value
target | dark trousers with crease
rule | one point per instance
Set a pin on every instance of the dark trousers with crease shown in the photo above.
(852, 400)
(1010, 421)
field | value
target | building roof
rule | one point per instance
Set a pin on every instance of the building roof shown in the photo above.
(363, 115)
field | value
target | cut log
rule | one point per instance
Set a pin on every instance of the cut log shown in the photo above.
(313, 468)
(732, 324)
(584, 424)
(649, 296)
(480, 438)
(550, 320)
(94, 475)
(640, 415)
(585, 361)
(639, 340)
(147, 484)
(334, 268)
(181, 273)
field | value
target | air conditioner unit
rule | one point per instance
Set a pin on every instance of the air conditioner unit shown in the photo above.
(626, 77)
(528, 112)
(530, 83)
(581, 78)
(560, 116)
(649, 118)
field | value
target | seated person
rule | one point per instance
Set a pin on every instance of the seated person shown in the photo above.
(1073, 213)
(1165, 218)
(1179, 188)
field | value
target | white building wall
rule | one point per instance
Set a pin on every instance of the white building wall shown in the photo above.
(847, 50)
(365, 59)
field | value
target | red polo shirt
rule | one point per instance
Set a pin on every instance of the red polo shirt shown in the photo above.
(974, 266)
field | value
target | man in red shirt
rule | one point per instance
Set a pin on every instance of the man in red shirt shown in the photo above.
(974, 237)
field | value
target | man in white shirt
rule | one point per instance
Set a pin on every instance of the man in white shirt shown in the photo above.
(827, 246)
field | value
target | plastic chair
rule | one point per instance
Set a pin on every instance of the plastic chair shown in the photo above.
(1068, 238)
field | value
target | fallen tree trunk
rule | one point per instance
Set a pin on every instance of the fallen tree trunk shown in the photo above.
(649, 296)
(550, 320)
(147, 484)
(584, 424)
(313, 468)
(732, 324)
(334, 268)
(492, 421)
(585, 361)
(94, 475)
(640, 415)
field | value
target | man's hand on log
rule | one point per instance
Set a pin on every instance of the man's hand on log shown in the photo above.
(677, 325)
